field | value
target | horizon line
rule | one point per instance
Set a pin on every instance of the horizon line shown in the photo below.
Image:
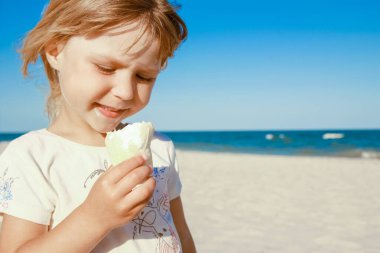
(239, 130)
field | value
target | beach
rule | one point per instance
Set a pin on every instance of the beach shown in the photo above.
(264, 203)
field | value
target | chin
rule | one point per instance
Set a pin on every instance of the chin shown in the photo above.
(105, 128)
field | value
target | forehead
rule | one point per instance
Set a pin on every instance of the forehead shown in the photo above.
(126, 43)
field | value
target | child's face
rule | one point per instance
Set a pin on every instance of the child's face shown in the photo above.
(101, 82)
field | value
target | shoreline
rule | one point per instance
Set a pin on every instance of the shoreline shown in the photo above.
(276, 155)
(3, 145)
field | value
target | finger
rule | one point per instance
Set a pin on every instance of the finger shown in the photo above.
(132, 179)
(134, 212)
(142, 194)
(119, 171)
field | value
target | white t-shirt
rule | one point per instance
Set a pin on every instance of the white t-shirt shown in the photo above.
(44, 177)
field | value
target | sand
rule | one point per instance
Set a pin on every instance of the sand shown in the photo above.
(3, 145)
(264, 204)
(250, 203)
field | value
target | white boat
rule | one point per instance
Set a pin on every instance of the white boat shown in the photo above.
(332, 136)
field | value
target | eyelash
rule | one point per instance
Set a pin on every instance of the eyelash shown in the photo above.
(145, 79)
(104, 70)
(110, 71)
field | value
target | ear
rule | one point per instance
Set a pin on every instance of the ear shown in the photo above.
(53, 52)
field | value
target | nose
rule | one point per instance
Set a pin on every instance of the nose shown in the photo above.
(124, 86)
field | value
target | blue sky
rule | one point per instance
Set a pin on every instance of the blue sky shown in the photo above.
(246, 65)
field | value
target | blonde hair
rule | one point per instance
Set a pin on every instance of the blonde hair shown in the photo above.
(66, 18)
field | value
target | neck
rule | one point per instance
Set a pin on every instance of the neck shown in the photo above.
(83, 134)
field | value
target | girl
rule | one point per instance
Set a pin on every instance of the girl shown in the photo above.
(57, 190)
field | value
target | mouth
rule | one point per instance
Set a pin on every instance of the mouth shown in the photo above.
(109, 112)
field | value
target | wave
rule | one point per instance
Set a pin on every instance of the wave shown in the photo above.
(360, 153)
(370, 155)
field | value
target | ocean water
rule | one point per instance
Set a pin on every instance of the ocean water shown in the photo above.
(341, 143)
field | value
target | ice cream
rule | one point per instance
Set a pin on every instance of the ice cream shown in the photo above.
(130, 141)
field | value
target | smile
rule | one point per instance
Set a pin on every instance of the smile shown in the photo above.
(109, 112)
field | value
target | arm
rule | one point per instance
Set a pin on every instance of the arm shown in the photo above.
(18, 235)
(187, 242)
(111, 198)
(10, 238)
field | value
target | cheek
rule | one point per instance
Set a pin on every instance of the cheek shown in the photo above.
(78, 81)
(144, 92)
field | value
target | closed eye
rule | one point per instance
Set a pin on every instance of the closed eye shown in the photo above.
(105, 70)
(145, 79)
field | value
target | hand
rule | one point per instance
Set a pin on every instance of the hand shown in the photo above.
(114, 199)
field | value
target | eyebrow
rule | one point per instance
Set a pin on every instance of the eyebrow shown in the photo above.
(118, 63)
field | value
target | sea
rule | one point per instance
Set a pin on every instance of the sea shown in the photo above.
(330, 143)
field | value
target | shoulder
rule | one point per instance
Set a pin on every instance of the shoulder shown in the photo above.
(33, 140)
(30, 146)
(161, 139)
(162, 146)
